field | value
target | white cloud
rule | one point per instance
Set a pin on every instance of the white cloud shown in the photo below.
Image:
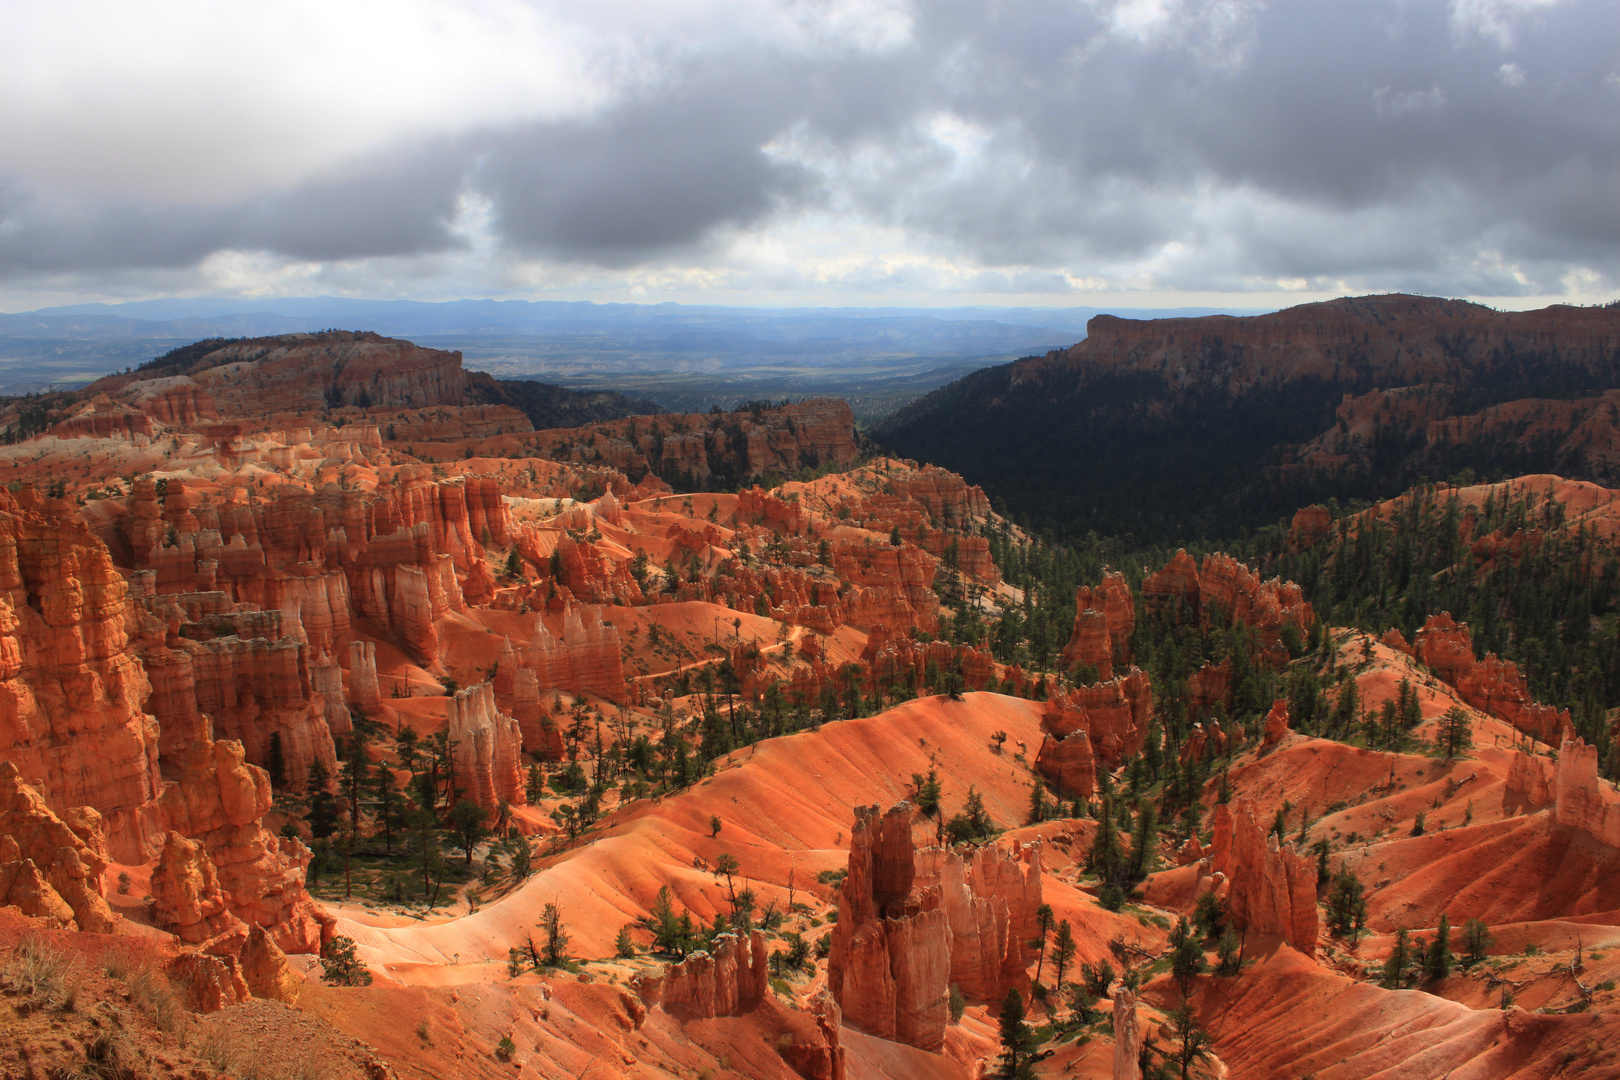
(1496, 21)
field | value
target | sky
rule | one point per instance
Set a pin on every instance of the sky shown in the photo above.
(811, 152)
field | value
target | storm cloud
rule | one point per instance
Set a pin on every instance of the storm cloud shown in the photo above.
(1467, 148)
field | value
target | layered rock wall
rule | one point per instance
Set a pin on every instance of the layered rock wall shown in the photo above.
(72, 689)
(1273, 887)
(486, 743)
(1491, 685)
(47, 862)
(912, 922)
(220, 801)
(729, 980)
(1579, 798)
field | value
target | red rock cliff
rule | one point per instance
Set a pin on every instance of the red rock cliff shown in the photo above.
(912, 922)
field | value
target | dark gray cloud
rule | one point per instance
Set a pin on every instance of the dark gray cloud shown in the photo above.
(1464, 147)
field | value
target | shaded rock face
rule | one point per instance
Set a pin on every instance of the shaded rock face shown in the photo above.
(1276, 724)
(912, 922)
(1114, 714)
(822, 1057)
(265, 968)
(487, 745)
(363, 689)
(212, 982)
(1273, 887)
(190, 902)
(1068, 764)
(1579, 798)
(1223, 591)
(48, 863)
(1310, 524)
(730, 980)
(889, 656)
(1104, 622)
(697, 447)
(1491, 685)
(584, 658)
(220, 800)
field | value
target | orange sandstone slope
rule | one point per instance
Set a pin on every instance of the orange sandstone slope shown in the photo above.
(786, 809)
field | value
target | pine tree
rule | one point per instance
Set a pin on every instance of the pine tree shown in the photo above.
(1346, 904)
(1400, 957)
(1228, 952)
(1063, 950)
(556, 933)
(1104, 858)
(1187, 961)
(340, 963)
(1043, 919)
(1476, 940)
(1018, 1040)
(1456, 733)
(1190, 1042)
(1037, 803)
(1438, 963)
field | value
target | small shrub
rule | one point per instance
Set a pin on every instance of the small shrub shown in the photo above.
(340, 964)
(505, 1048)
(958, 1004)
(1112, 897)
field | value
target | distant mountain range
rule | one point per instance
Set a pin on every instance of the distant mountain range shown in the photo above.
(682, 356)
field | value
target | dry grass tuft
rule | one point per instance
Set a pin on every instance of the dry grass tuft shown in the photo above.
(43, 975)
(230, 1055)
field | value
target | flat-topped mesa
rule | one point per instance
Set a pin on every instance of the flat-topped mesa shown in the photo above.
(102, 417)
(220, 800)
(291, 373)
(1104, 622)
(72, 690)
(1491, 685)
(729, 980)
(912, 922)
(1273, 887)
(1224, 591)
(1579, 798)
(1391, 340)
(50, 863)
(487, 745)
